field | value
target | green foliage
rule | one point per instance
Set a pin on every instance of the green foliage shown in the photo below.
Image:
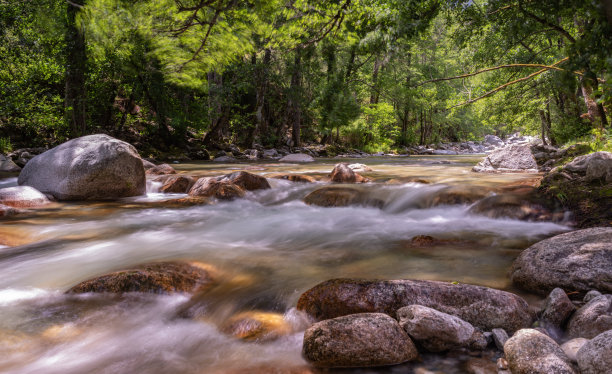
(5, 145)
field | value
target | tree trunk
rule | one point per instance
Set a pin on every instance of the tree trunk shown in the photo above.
(294, 99)
(215, 108)
(374, 95)
(595, 111)
(76, 63)
(261, 79)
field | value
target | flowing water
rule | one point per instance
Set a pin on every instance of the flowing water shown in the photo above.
(264, 250)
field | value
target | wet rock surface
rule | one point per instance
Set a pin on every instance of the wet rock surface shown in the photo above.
(592, 319)
(160, 277)
(22, 197)
(340, 196)
(483, 307)
(342, 173)
(296, 178)
(256, 326)
(529, 351)
(245, 180)
(358, 340)
(571, 347)
(177, 184)
(92, 167)
(297, 157)
(575, 261)
(212, 187)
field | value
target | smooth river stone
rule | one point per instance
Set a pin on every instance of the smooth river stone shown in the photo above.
(483, 307)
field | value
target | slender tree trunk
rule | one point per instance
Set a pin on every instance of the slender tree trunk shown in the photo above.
(261, 79)
(76, 64)
(374, 95)
(215, 108)
(294, 98)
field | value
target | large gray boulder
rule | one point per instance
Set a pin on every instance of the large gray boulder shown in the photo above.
(531, 352)
(483, 307)
(7, 165)
(512, 158)
(493, 140)
(557, 309)
(592, 319)
(575, 261)
(595, 357)
(94, 167)
(358, 340)
(437, 331)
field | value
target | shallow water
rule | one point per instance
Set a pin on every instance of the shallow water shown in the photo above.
(266, 250)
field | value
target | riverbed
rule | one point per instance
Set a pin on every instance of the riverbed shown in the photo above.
(265, 250)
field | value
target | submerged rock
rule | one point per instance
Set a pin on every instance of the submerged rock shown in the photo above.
(92, 167)
(434, 330)
(22, 197)
(177, 184)
(483, 307)
(296, 178)
(575, 261)
(296, 157)
(358, 340)
(160, 277)
(514, 157)
(513, 207)
(571, 347)
(360, 168)
(162, 169)
(529, 351)
(342, 173)
(595, 356)
(211, 187)
(257, 325)
(592, 319)
(339, 196)
(7, 211)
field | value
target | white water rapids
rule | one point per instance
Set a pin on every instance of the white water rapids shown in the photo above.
(268, 248)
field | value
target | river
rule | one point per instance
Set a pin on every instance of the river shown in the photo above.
(265, 250)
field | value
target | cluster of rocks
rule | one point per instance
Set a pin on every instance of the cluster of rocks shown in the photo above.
(372, 323)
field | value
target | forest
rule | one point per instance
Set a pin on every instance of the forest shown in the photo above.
(372, 75)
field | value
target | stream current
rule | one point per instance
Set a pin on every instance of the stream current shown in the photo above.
(265, 249)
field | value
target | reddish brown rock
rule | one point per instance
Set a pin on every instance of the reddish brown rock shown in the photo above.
(338, 196)
(483, 307)
(296, 178)
(22, 197)
(7, 211)
(162, 169)
(256, 325)
(211, 187)
(160, 277)
(246, 181)
(177, 184)
(342, 173)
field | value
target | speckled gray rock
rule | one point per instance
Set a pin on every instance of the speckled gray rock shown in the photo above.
(571, 347)
(434, 330)
(591, 295)
(592, 319)
(595, 166)
(558, 308)
(579, 261)
(22, 197)
(297, 157)
(500, 337)
(358, 340)
(531, 352)
(7, 165)
(93, 167)
(514, 157)
(595, 357)
(485, 308)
